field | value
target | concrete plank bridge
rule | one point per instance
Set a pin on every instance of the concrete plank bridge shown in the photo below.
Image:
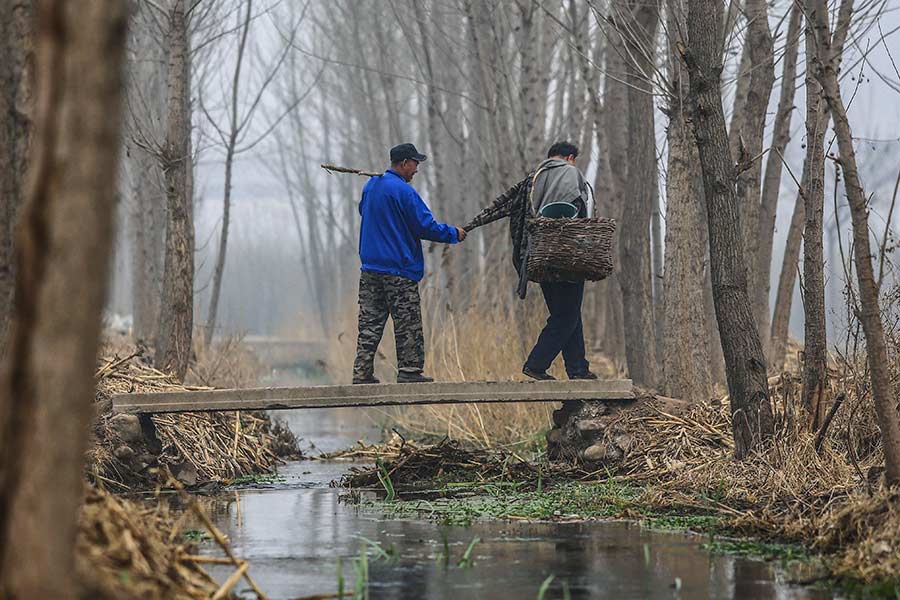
(391, 394)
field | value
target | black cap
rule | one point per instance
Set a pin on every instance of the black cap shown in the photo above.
(404, 151)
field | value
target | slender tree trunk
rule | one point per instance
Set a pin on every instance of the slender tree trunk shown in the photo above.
(784, 297)
(686, 356)
(781, 135)
(46, 391)
(741, 96)
(785, 294)
(436, 139)
(885, 404)
(233, 132)
(15, 136)
(814, 352)
(534, 94)
(658, 274)
(762, 78)
(634, 240)
(146, 222)
(616, 165)
(751, 412)
(173, 342)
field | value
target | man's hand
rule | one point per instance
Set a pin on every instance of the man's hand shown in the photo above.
(460, 234)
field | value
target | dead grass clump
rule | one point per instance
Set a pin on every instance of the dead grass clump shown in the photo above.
(865, 536)
(128, 453)
(127, 551)
(406, 463)
(791, 491)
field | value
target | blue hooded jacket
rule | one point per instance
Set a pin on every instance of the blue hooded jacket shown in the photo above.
(394, 221)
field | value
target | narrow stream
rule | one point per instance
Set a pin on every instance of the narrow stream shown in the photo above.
(294, 531)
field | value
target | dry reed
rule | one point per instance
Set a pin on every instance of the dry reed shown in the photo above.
(214, 446)
(125, 550)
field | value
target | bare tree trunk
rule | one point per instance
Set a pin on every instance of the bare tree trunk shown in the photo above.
(781, 135)
(785, 294)
(611, 204)
(173, 342)
(741, 94)
(147, 228)
(870, 315)
(146, 221)
(534, 79)
(15, 136)
(230, 146)
(634, 243)
(658, 275)
(814, 352)
(686, 356)
(46, 394)
(436, 139)
(753, 124)
(751, 412)
(784, 297)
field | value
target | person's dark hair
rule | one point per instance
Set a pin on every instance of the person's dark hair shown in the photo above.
(563, 149)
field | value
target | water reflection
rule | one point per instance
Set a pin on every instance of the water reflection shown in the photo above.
(293, 536)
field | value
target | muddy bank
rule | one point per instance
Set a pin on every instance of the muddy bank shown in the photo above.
(130, 453)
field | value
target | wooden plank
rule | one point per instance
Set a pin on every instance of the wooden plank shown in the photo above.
(373, 395)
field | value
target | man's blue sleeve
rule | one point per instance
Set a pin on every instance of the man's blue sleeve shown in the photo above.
(422, 222)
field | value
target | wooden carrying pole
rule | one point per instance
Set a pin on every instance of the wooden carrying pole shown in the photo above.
(336, 169)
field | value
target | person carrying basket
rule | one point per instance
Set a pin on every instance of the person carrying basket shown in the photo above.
(556, 244)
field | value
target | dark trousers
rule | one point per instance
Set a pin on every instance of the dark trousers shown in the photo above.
(563, 331)
(380, 296)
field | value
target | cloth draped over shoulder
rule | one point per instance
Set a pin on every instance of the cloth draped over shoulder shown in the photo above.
(554, 180)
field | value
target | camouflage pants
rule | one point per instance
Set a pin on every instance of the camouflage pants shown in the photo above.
(381, 295)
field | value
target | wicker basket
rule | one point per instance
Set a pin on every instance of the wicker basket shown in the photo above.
(570, 249)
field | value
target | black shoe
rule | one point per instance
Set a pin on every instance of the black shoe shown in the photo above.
(407, 377)
(583, 375)
(539, 375)
(365, 380)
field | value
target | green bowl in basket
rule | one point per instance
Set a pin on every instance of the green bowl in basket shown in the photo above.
(559, 210)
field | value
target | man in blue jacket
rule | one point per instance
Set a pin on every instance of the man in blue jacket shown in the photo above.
(395, 220)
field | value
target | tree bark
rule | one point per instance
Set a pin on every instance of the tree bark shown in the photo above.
(781, 135)
(611, 335)
(146, 220)
(814, 353)
(15, 136)
(752, 129)
(634, 241)
(173, 342)
(784, 297)
(785, 294)
(686, 357)
(46, 391)
(751, 412)
(885, 405)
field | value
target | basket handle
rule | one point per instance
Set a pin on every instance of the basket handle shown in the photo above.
(531, 191)
(593, 197)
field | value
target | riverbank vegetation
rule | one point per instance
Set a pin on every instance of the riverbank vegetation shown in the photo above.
(821, 492)
(129, 453)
